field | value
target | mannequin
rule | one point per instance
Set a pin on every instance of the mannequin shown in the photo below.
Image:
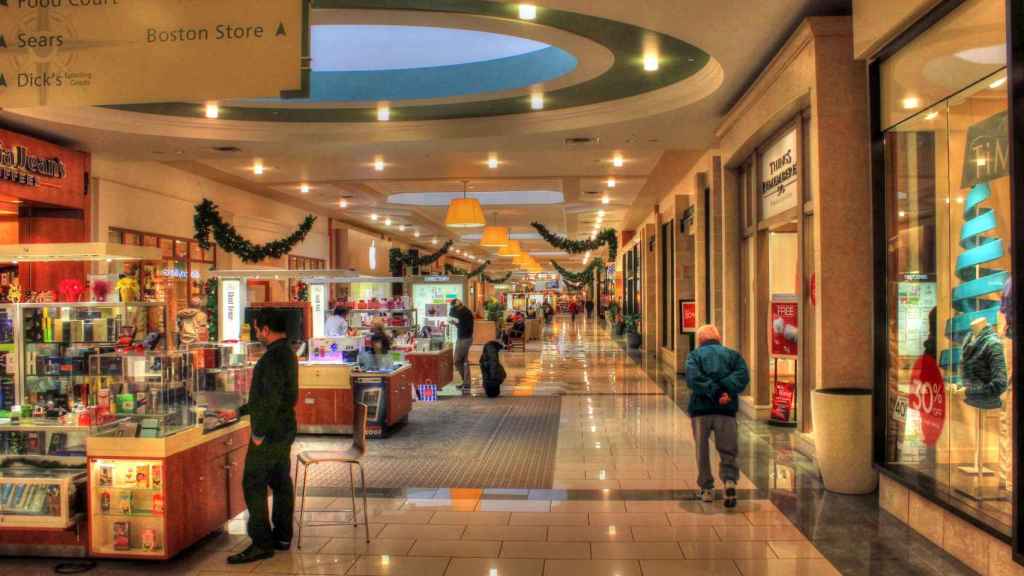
(983, 376)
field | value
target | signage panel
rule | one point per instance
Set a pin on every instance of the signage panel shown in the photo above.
(231, 311)
(318, 301)
(780, 175)
(91, 52)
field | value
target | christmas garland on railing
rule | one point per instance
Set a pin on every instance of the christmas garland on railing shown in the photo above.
(397, 259)
(498, 280)
(456, 271)
(581, 278)
(207, 220)
(606, 237)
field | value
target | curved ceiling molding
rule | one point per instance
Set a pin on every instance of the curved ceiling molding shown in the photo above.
(625, 78)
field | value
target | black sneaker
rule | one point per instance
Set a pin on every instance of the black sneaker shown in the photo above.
(730, 494)
(250, 554)
(282, 545)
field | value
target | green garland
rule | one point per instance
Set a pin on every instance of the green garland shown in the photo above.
(398, 260)
(211, 307)
(579, 279)
(606, 237)
(207, 219)
(496, 280)
(456, 271)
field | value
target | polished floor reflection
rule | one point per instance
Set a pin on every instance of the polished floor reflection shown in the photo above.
(620, 499)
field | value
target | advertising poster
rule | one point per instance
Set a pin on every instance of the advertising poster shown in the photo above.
(689, 315)
(783, 399)
(914, 301)
(785, 331)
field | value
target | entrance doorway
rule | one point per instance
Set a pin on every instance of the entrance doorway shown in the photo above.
(783, 322)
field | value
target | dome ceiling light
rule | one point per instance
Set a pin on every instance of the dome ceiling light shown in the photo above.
(465, 212)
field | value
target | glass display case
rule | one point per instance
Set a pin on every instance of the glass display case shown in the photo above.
(127, 508)
(33, 495)
(8, 356)
(223, 376)
(141, 394)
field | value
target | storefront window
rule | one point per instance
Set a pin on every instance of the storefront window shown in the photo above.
(948, 205)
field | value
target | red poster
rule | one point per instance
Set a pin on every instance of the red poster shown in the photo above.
(783, 399)
(689, 316)
(928, 396)
(785, 331)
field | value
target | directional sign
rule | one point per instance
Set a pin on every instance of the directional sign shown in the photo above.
(92, 52)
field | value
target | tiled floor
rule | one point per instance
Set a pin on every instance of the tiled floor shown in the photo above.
(621, 502)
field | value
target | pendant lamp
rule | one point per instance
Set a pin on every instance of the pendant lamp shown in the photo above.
(511, 250)
(465, 212)
(494, 236)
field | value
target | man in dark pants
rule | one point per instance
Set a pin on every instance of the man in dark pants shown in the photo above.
(271, 410)
(589, 306)
(464, 320)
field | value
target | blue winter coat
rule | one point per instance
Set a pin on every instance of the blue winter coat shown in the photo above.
(711, 370)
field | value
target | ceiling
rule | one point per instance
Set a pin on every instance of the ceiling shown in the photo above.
(709, 50)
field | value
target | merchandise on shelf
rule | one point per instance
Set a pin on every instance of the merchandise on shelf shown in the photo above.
(127, 506)
(141, 394)
(223, 376)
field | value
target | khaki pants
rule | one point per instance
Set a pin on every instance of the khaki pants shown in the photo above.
(462, 347)
(726, 442)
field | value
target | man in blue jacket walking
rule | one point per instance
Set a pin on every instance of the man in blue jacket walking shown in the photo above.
(716, 376)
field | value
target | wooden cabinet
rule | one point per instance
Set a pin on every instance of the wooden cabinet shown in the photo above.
(434, 367)
(324, 390)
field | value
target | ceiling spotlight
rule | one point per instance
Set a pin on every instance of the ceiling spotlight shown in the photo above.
(378, 163)
(212, 111)
(606, 200)
(343, 203)
(374, 217)
(611, 182)
(931, 115)
(433, 240)
(651, 63)
(401, 227)
(537, 101)
(383, 112)
(527, 11)
(387, 221)
(304, 188)
(257, 168)
(617, 160)
(911, 102)
(492, 161)
(416, 233)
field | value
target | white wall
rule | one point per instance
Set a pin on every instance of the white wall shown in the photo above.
(156, 198)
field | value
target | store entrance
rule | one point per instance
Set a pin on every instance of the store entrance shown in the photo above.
(783, 350)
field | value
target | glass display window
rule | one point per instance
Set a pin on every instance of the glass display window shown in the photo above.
(141, 394)
(128, 506)
(950, 306)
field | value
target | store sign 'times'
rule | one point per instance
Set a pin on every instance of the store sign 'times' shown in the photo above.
(94, 52)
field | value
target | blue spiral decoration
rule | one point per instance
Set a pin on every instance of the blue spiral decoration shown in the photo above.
(971, 298)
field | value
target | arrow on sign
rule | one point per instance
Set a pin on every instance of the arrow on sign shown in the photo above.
(280, 27)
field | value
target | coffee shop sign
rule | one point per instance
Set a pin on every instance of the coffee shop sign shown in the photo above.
(20, 166)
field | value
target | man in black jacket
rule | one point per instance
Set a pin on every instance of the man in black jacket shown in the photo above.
(271, 410)
(463, 317)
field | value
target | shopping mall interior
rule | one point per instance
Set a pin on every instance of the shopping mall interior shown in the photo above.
(489, 288)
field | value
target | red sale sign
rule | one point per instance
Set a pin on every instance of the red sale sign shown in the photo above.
(928, 396)
(689, 316)
(784, 328)
(783, 400)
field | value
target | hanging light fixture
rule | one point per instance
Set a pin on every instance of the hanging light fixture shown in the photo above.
(495, 236)
(465, 212)
(511, 250)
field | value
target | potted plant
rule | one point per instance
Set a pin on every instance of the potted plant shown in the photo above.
(489, 328)
(631, 323)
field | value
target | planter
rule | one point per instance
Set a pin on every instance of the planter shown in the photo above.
(484, 331)
(842, 439)
(633, 340)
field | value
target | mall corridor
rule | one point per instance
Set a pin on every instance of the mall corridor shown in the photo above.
(605, 488)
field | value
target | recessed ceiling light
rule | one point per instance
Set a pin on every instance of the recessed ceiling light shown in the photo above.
(304, 188)
(383, 112)
(606, 199)
(611, 182)
(343, 203)
(617, 160)
(212, 110)
(902, 214)
(374, 217)
(651, 62)
(257, 168)
(492, 161)
(401, 227)
(537, 101)
(416, 233)
(433, 240)
(378, 163)
(600, 213)
(527, 11)
(911, 102)
(387, 221)
(999, 82)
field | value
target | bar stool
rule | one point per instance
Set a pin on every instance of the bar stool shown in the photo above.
(350, 456)
(517, 341)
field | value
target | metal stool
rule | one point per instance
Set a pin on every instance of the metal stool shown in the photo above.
(352, 457)
(514, 341)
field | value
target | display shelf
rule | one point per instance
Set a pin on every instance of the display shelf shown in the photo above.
(40, 498)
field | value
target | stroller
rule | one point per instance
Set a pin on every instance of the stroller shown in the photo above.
(491, 370)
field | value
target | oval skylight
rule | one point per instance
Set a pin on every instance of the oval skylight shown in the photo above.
(485, 198)
(366, 63)
(359, 48)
